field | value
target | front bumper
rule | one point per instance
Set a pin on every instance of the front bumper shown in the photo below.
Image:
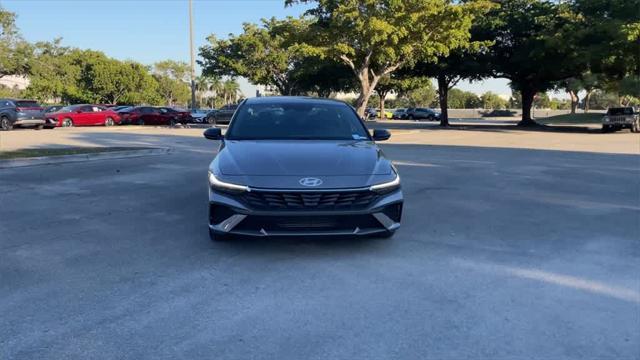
(29, 122)
(230, 214)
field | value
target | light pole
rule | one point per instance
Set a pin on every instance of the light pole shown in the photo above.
(193, 64)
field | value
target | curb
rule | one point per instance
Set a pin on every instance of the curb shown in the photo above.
(50, 160)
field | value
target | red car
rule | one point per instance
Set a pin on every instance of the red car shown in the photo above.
(82, 115)
(149, 115)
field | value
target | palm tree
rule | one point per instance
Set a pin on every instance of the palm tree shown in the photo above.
(231, 90)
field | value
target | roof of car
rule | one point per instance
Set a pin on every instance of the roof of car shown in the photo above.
(291, 99)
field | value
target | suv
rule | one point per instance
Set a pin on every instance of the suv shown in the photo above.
(620, 118)
(20, 113)
(223, 115)
(422, 113)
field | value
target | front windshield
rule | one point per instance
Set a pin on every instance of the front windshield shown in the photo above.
(293, 121)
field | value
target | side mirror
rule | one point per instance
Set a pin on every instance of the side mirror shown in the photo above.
(213, 134)
(381, 134)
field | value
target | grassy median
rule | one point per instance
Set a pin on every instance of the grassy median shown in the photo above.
(29, 153)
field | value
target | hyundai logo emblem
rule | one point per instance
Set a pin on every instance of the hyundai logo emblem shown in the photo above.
(310, 181)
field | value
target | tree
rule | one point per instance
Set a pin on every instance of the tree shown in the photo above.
(377, 37)
(322, 76)
(424, 95)
(492, 101)
(266, 55)
(230, 91)
(171, 79)
(15, 53)
(459, 99)
(534, 46)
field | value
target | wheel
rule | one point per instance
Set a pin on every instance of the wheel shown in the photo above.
(635, 127)
(39, 127)
(410, 117)
(219, 237)
(109, 122)
(67, 122)
(5, 124)
(172, 122)
(211, 120)
(140, 122)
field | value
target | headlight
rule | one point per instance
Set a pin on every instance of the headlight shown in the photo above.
(225, 186)
(387, 186)
(605, 119)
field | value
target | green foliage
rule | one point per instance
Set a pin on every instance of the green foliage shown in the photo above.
(424, 96)
(268, 55)
(459, 99)
(171, 78)
(15, 53)
(492, 101)
(535, 45)
(376, 37)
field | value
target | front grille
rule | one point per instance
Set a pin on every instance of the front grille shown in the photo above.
(350, 200)
(619, 119)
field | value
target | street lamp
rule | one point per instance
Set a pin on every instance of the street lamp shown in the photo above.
(193, 64)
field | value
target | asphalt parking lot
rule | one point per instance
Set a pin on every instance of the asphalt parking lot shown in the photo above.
(505, 252)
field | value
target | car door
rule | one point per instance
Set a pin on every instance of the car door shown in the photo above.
(82, 116)
(147, 115)
(97, 116)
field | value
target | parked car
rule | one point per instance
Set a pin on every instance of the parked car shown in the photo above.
(82, 115)
(222, 115)
(148, 115)
(400, 113)
(422, 114)
(621, 117)
(14, 112)
(119, 107)
(199, 115)
(177, 115)
(52, 108)
(370, 113)
(387, 114)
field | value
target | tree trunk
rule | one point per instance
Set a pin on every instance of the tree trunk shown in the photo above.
(443, 99)
(527, 101)
(587, 97)
(383, 96)
(574, 100)
(367, 86)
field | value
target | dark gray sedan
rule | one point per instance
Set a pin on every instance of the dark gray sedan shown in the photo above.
(301, 166)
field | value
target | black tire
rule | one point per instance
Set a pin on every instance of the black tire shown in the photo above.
(67, 122)
(5, 124)
(140, 122)
(218, 237)
(38, 127)
(635, 127)
(109, 122)
(211, 120)
(410, 117)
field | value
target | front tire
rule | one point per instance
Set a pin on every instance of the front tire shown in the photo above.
(5, 124)
(635, 127)
(211, 120)
(140, 122)
(67, 123)
(109, 122)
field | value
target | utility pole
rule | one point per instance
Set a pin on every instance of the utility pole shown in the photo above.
(193, 62)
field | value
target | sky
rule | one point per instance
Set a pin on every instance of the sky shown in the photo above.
(152, 30)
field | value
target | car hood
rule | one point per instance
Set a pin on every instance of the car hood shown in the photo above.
(282, 164)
